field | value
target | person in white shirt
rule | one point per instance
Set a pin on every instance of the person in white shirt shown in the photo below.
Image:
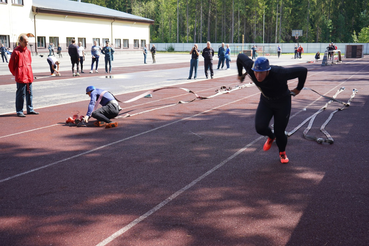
(81, 54)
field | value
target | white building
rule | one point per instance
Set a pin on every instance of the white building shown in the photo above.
(59, 21)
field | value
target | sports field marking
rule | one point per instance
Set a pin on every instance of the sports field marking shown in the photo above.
(124, 139)
(135, 222)
(174, 195)
(139, 134)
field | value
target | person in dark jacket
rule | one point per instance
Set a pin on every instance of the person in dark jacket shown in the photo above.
(221, 56)
(208, 54)
(74, 57)
(275, 98)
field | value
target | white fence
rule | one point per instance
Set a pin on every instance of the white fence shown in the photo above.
(238, 47)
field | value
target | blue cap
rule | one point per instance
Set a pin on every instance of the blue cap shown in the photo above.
(90, 88)
(261, 64)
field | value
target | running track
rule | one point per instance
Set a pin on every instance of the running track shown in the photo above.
(190, 174)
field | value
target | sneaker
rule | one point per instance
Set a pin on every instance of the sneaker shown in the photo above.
(74, 74)
(96, 71)
(77, 74)
(99, 123)
(53, 75)
(268, 144)
(283, 156)
(91, 71)
(111, 125)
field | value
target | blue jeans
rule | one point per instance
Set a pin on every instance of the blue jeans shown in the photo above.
(23, 91)
(96, 59)
(228, 59)
(107, 61)
(145, 58)
(221, 61)
(193, 66)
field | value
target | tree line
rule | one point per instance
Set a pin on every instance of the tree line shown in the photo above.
(250, 21)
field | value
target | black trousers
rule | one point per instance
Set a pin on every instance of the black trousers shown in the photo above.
(107, 112)
(208, 65)
(280, 109)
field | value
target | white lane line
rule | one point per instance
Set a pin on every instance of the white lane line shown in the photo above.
(35, 129)
(173, 196)
(124, 139)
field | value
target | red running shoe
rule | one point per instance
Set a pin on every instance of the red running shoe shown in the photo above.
(268, 144)
(283, 156)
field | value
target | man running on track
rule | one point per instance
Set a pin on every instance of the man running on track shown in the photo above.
(109, 110)
(275, 98)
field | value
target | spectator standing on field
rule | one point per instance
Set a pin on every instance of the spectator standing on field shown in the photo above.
(108, 52)
(51, 49)
(228, 56)
(59, 52)
(81, 54)
(208, 54)
(279, 50)
(95, 53)
(195, 52)
(253, 52)
(296, 48)
(74, 57)
(144, 51)
(153, 53)
(221, 56)
(3, 53)
(20, 66)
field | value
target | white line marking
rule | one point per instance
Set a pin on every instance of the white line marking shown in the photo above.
(122, 140)
(173, 196)
(35, 129)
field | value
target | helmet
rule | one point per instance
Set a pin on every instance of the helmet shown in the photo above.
(90, 88)
(261, 64)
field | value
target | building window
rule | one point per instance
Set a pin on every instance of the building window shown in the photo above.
(4, 39)
(54, 41)
(41, 42)
(97, 41)
(143, 42)
(17, 2)
(69, 40)
(136, 43)
(83, 41)
(3, 1)
(104, 41)
(118, 43)
(126, 43)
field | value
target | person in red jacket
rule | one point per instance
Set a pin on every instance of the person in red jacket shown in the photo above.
(20, 67)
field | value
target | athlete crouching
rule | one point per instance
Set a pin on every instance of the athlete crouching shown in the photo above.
(109, 110)
(275, 98)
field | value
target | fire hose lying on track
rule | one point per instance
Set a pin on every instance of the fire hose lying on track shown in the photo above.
(311, 118)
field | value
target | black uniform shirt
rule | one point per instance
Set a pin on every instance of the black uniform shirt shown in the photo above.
(275, 84)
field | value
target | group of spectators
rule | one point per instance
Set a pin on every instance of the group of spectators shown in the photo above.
(78, 56)
(224, 54)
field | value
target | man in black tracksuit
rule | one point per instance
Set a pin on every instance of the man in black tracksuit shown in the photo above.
(208, 54)
(275, 98)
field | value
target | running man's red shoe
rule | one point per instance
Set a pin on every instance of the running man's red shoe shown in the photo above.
(283, 156)
(268, 144)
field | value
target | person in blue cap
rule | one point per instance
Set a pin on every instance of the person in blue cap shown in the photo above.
(275, 98)
(109, 110)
